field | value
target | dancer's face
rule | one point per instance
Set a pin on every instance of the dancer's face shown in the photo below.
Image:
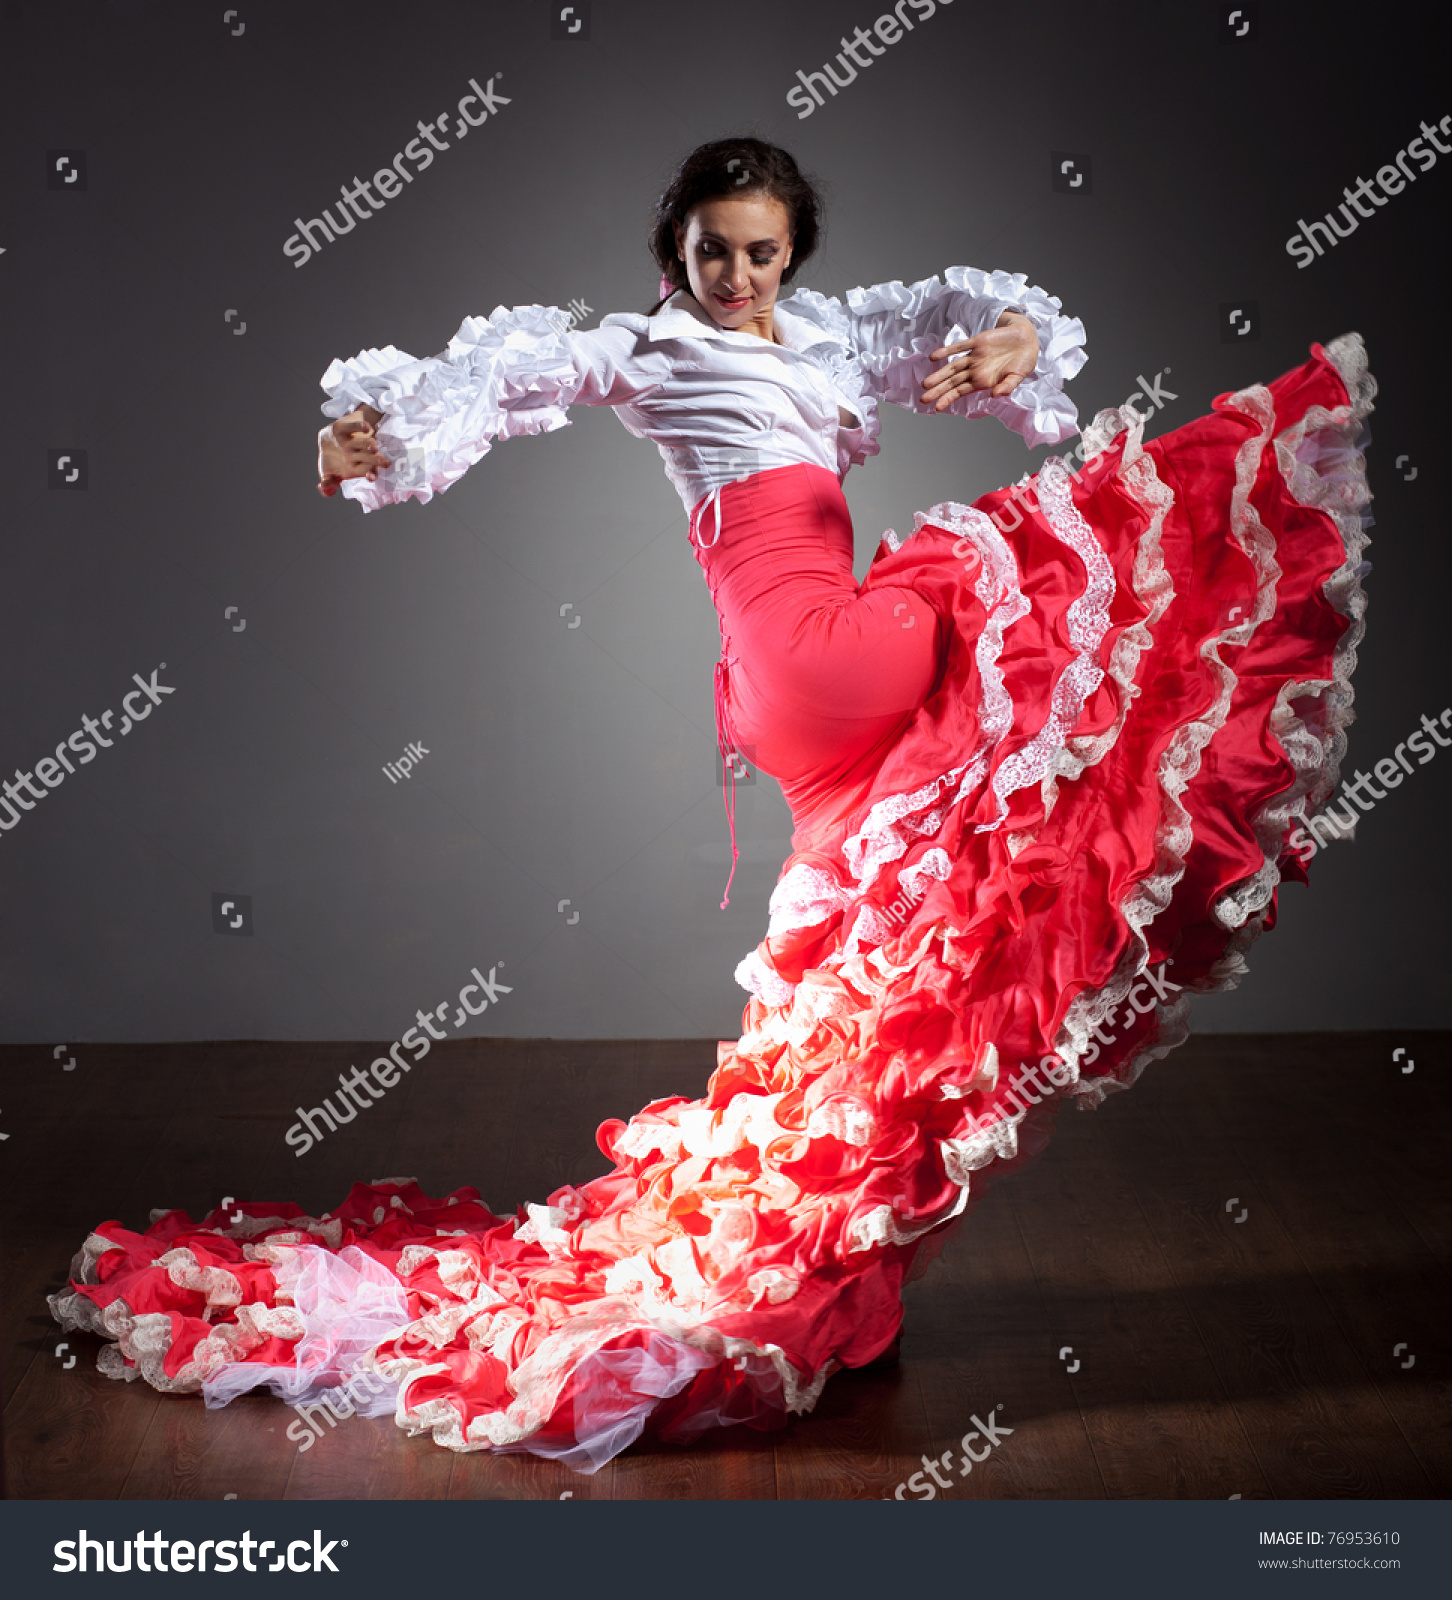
(735, 251)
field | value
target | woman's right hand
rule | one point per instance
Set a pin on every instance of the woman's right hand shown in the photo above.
(348, 448)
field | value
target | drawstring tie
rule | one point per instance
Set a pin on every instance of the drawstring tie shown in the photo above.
(711, 502)
(726, 744)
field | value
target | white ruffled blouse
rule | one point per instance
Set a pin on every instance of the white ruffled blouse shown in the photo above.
(719, 405)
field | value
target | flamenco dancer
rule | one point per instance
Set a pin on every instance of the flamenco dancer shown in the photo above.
(1042, 763)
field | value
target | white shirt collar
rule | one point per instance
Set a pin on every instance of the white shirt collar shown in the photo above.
(683, 317)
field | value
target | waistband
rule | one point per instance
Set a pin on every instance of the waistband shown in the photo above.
(773, 483)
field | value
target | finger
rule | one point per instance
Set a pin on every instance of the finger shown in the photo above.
(965, 361)
(945, 397)
(959, 392)
(954, 372)
(985, 343)
(950, 384)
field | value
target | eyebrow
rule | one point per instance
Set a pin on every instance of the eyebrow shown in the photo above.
(755, 244)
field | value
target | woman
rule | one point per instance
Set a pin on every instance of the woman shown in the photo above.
(1042, 763)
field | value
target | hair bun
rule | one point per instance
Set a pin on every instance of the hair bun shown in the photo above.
(714, 172)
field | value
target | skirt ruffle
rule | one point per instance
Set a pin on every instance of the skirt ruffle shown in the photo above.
(1145, 692)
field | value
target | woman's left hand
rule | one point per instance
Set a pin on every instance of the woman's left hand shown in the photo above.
(999, 359)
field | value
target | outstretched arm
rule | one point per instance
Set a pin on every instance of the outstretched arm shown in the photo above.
(408, 429)
(974, 343)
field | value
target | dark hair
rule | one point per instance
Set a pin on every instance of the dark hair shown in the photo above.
(741, 166)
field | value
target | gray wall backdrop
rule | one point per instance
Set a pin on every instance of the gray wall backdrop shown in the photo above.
(577, 763)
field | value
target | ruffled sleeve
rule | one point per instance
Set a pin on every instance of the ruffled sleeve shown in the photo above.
(893, 328)
(511, 373)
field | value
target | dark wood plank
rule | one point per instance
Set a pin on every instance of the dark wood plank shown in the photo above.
(979, 1331)
(1210, 1351)
(461, 1121)
(1380, 1282)
(191, 1453)
(737, 1464)
(30, 1271)
(1156, 1416)
(74, 1435)
(1295, 1383)
(364, 1458)
(491, 1475)
(864, 1438)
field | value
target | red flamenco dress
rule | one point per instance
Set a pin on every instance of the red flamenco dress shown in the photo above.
(1043, 765)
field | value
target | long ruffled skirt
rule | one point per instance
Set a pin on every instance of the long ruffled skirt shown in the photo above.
(1045, 765)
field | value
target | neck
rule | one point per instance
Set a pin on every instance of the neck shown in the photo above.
(762, 324)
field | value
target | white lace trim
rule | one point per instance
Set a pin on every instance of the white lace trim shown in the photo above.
(933, 864)
(1088, 622)
(1152, 585)
(804, 896)
(882, 1225)
(1322, 465)
(895, 822)
(998, 1141)
(1315, 753)
(1174, 832)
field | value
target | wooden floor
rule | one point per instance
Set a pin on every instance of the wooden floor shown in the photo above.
(1249, 1254)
